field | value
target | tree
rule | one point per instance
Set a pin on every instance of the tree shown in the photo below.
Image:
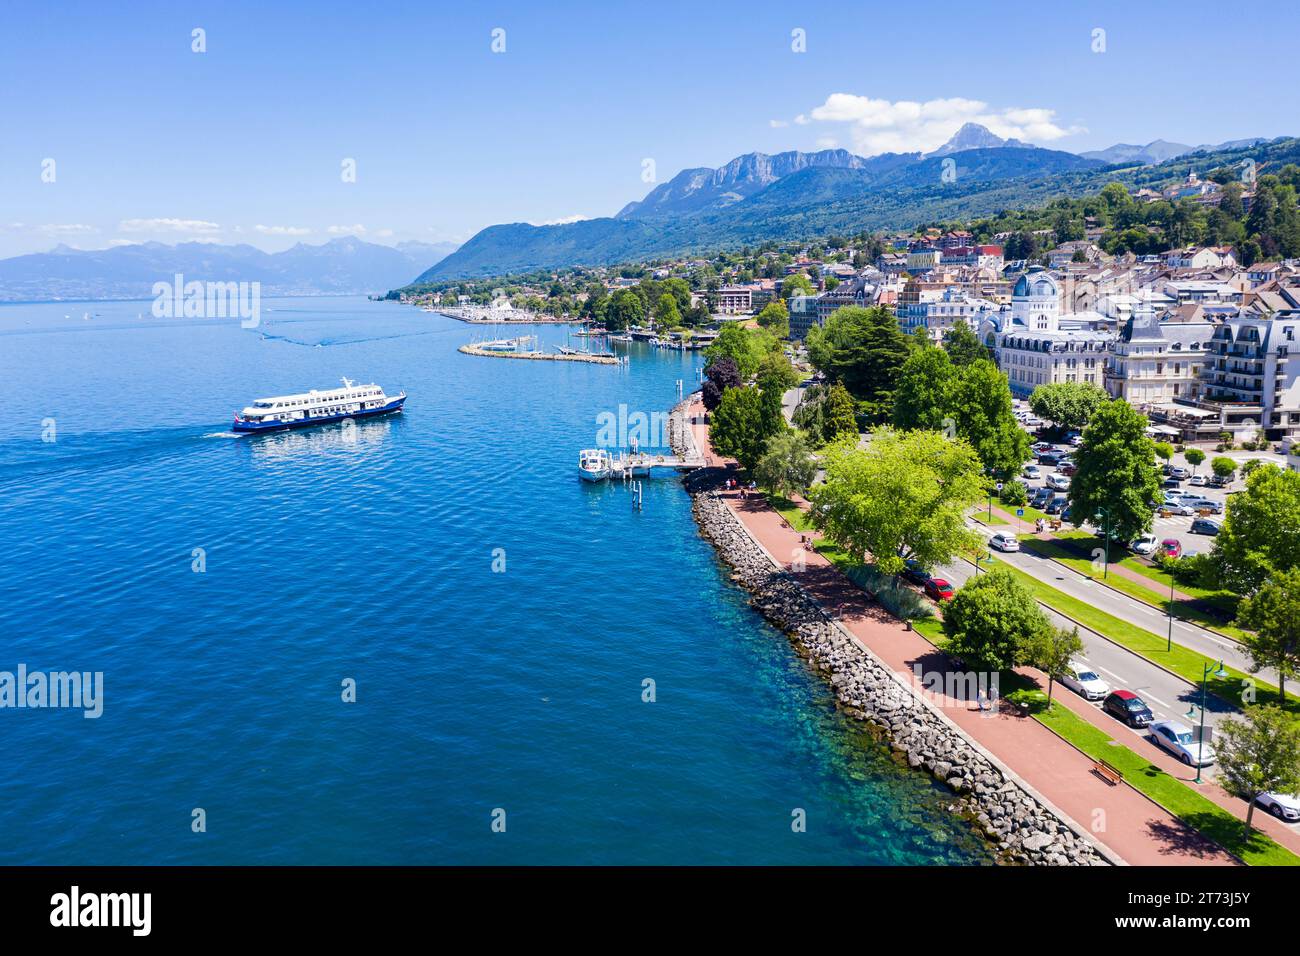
(1195, 457)
(796, 284)
(624, 310)
(1273, 615)
(744, 421)
(981, 410)
(1165, 451)
(1116, 478)
(904, 495)
(719, 376)
(839, 418)
(666, 313)
(1260, 754)
(746, 347)
(1260, 536)
(1067, 404)
(1053, 651)
(923, 395)
(865, 349)
(964, 346)
(787, 465)
(995, 621)
(775, 317)
(1223, 467)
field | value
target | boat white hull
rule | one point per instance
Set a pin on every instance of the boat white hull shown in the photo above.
(593, 474)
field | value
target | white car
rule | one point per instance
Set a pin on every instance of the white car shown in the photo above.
(1081, 679)
(1058, 482)
(1177, 738)
(1004, 542)
(1076, 440)
(1033, 472)
(1198, 480)
(1145, 544)
(1177, 507)
(1284, 806)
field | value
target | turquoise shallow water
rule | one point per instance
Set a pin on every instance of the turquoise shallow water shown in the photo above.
(372, 559)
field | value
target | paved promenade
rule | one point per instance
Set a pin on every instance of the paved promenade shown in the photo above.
(1123, 819)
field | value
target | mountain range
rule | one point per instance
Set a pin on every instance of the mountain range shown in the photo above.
(788, 196)
(341, 266)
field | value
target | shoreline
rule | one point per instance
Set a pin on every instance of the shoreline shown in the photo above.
(1020, 824)
(541, 356)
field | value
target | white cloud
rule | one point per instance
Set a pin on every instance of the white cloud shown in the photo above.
(881, 126)
(65, 229)
(561, 222)
(123, 242)
(282, 230)
(355, 230)
(827, 142)
(187, 226)
(777, 124)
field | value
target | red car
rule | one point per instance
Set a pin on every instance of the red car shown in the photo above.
(1067, 468)
(1171, 548)
(938, 589)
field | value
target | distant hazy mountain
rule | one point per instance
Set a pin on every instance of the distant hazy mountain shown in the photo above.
(975, 136)
(341, 266)
(757, 197)
(1160, 150)
(1156, 151)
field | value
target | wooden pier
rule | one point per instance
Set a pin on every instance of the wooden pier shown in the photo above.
(642, 463)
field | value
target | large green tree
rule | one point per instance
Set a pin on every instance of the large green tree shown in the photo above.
(1117, 478)
(775, 317)
(745, 347)
(1052, 651)
(964, 346)
(1273, 615)
(903, 496)
(1068, 404)
(995, 621)
(787, 464)
(1261, 530)
(1260, 754)
(865, 349)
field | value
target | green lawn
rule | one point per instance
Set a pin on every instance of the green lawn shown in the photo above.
(1183, 801)
(1182, 661)
(1074, 551)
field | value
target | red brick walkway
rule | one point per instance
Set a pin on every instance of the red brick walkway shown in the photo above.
(1124, 820)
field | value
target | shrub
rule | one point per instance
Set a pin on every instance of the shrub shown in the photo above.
(1014, 493)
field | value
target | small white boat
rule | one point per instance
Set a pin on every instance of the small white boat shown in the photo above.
(594, 464)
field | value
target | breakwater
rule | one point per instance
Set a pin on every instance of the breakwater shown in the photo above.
(1022, 827)
(542, 356)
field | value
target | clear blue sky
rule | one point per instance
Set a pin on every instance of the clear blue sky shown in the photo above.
(152, 141)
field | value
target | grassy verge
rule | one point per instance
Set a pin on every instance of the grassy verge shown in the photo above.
(1182, 661)
(1185, 803)
(1156, 594)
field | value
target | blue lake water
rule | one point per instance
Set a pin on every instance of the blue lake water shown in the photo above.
(369, 555)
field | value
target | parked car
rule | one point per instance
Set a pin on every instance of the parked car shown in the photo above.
(1172, 482)
(1217, 482)
(938, 589)
(1284, 806)
(1177, 738)
(1076, 440)
(1039, 447)
(1207, 504)
(1178, 507)
(1205, 526)
(1144, 545)
(1129, 707)
(1171, 548)
(912, 571)
(1049, 457)
(1067, 468)
(1058, 482)
(1056, 505)
(1004, 541)
(1178, 471)
(1197, 480)
(1033, 471)
(1040, 496)
(1081, 679)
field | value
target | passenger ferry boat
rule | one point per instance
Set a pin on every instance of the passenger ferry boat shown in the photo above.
(317, 407)
(594, 464)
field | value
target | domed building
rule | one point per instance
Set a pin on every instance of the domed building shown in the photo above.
(1034, 344)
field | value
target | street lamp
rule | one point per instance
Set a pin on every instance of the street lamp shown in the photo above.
(1169, 641)
(1219, 672)
(1105, 547)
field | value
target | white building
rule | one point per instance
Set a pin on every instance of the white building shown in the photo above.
(1034, 344)
(1152, 361)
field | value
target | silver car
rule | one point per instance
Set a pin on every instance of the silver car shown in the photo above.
(1177, 738)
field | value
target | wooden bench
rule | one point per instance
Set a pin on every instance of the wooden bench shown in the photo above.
(1108, 773)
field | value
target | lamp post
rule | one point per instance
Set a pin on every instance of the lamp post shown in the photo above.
(1169, 641)
(1206, 670)
(1105, 545)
